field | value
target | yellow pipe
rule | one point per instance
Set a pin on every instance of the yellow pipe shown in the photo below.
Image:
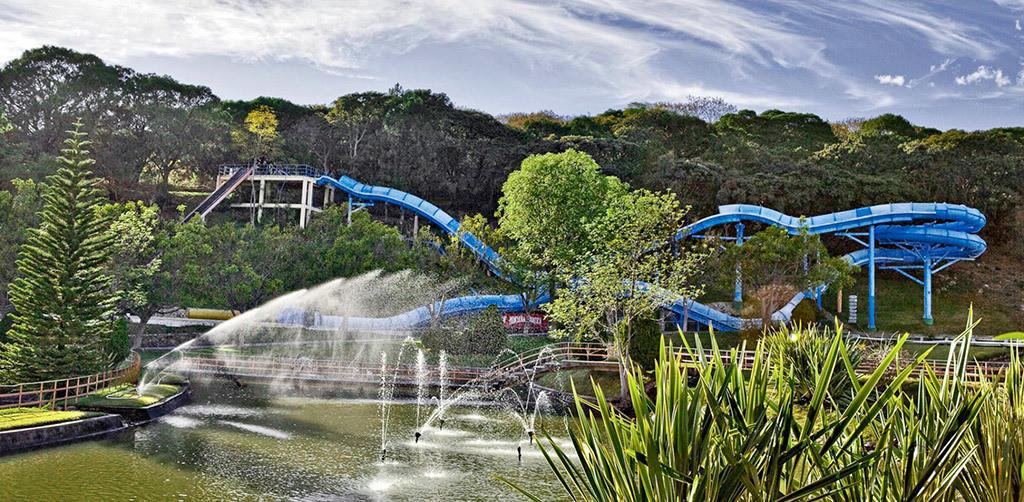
(211, 314)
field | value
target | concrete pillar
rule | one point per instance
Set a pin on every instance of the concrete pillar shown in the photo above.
(415, 225)
(871, 278)
(309, 202)
(928, 290)
(302, 207)
(262, 198)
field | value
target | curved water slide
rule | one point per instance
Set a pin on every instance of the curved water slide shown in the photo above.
(904, 237)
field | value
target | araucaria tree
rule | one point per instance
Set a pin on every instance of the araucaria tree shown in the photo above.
(62, 298)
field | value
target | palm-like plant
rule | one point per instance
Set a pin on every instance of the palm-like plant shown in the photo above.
(732, 426)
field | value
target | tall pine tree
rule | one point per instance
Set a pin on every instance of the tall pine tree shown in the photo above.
(62, 298)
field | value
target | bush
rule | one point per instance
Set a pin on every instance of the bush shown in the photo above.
(805, 313)
(646, 343)
(803, 349)
(119, 345)
(483, 333)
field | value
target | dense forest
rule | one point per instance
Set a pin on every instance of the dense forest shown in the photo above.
(155, 138)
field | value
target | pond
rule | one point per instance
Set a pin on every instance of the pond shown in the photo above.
(247, 444)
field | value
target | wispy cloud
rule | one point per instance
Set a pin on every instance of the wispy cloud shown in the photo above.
(982, 74)
(946, 35)
(894, 80)
(933, 70)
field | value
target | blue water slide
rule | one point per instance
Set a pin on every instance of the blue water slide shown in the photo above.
(900, 236)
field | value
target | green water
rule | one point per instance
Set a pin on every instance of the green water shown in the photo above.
(241, 444)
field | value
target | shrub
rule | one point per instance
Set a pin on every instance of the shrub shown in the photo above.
(742, 435)
(119, 345)
(805, 313)
(643, 348)
(482, 333)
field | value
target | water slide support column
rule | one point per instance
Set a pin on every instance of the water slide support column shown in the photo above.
(871, 278)
(302, 206)
(928, 290)
(262, 199)
(737, 296)
(349, 209)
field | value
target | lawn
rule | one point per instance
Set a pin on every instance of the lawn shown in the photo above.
(20, 418)
(899, 306)
(608, 381)
(124, 396)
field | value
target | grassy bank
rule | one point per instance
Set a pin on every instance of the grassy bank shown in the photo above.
(21, 418)
(125, 396)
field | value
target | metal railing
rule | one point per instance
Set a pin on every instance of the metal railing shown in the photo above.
(274, 169)
(54, 393)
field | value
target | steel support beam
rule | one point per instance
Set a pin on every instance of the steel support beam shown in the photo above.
(737, 295)
(928, 290)
(871, 278)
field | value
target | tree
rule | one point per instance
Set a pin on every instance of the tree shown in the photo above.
(19, 211)
(632, 271)
(547, 204)
(356, 116)
(135, 263)
(707, 108)
(179, 128)
(62, 300)
(228, 265)
(776, 265)
(258, 139)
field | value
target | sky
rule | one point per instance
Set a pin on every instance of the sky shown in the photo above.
(946, 64)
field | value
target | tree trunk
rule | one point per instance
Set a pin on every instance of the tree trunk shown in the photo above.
(624, 366)
(140, 331)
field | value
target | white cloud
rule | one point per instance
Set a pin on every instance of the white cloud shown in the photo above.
(1011, 4)
(894, 80)
(933, 70)
(612, 41)
(946, 35)
(1016, 24)
(984, 73)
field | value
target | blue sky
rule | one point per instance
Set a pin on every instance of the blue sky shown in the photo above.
(940, 63)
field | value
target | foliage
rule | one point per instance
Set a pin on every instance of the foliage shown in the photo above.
(119, 346)
(752, 435)
(645, 344)
(258, 139)
(19, 211)
(775, 266)
(62, 298)
(633, 269)
(805, 312)
(481, 333)
(803, 348)
(547, 203)
(135, 256)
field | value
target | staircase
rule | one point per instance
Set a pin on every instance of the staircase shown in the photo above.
(220, 193)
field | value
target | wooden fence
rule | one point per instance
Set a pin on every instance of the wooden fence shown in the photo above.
(58, 393)
(518, 368)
